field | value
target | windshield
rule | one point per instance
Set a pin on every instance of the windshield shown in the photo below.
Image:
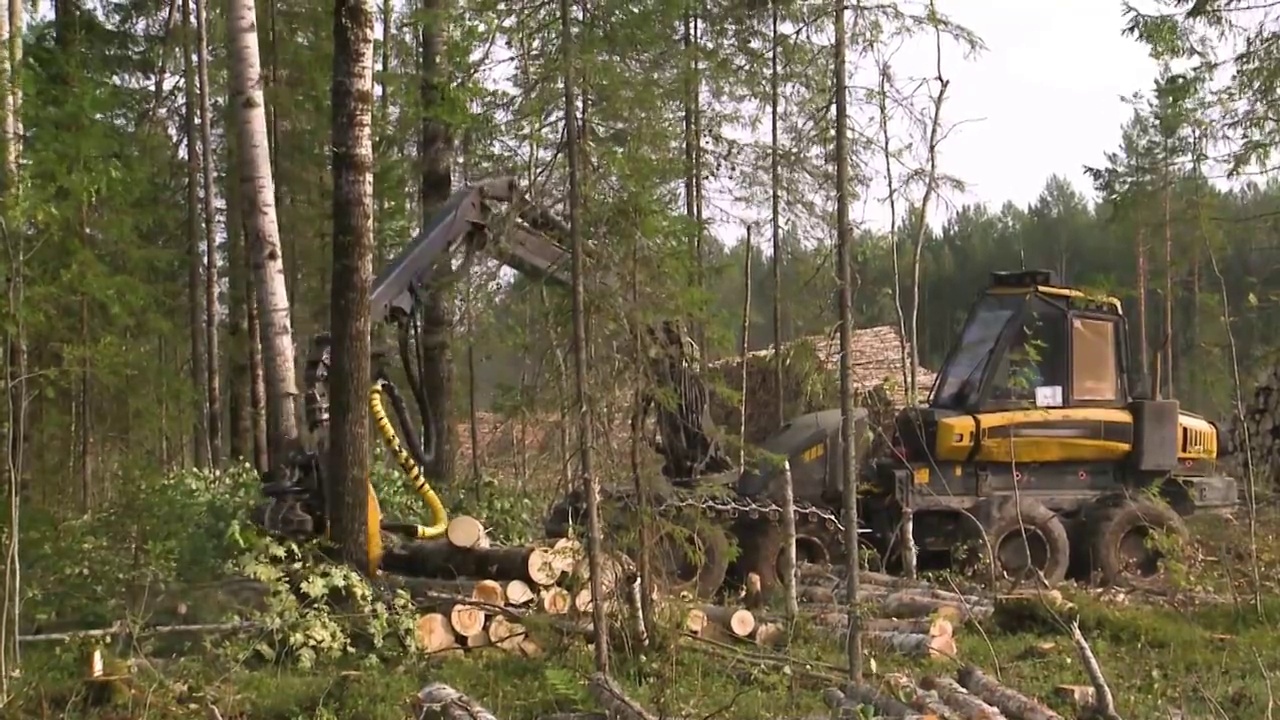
(963, 373)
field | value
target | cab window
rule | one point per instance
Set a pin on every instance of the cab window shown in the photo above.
(1095, 376)
(1034, 359)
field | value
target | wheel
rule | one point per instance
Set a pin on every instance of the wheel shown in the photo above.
(690, 557)
(762, 550)
(1117, 537)
(1023, 537)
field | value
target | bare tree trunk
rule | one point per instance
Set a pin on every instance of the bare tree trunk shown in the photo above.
(258, 380)
(775, 214)
(86, 415)
(16, 341)
(435, 185)
(258, 192)
(239, 376)
(195, 311)
(352, 285)
(1168, 278)
(745, 347)
(1144, 352)
(591, 484)
(213, 362)
(844, 252)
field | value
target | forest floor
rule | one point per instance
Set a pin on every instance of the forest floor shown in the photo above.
(1202, 646)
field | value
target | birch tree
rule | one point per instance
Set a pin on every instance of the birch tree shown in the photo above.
(258, 192)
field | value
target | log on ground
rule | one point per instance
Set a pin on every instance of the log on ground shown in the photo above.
(1009, 701)
(917, 698)
(968, 705)
(438, 701)
(441, 559)
(934, 647)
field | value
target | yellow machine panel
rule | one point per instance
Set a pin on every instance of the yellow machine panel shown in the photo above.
(1050, 435)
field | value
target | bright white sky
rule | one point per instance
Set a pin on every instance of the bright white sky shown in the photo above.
(1045, 97)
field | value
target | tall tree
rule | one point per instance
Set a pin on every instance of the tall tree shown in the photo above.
(213, 407)
(844, 259)
(258, 193)
(352, 273)
(435, 153)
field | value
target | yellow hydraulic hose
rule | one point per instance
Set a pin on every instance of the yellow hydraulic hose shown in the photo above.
(439, 518)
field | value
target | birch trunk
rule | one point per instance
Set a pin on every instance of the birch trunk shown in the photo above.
(258, 192)
(352, 94)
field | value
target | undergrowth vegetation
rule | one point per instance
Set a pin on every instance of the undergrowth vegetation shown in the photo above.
(291, 636)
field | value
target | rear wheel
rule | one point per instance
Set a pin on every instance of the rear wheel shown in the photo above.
(690, 557)
(1119, 537)
(1024, 540)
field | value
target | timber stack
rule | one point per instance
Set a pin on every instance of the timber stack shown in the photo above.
(472, 594)
(810, 380)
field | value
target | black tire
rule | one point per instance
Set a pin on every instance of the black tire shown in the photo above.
(1116, 533)
(762, 544)
(690, 557)
(1045, 547)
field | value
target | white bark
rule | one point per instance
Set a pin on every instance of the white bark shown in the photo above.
(258, 193)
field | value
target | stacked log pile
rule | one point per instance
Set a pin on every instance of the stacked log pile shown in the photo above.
(809, 379)
(473, 595)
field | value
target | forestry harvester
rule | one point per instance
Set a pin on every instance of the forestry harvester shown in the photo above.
(1036, 437)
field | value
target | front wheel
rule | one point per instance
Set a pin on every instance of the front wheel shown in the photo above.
(1119, 538)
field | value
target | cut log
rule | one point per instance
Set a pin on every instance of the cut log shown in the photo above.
(490, 592)
(466, 620)
(919, 699)
(770, 634)
(467, 532)
(738, 621)
(555, 600)
(441, 559)
(566, 553)
(912, 645)
(518, 563)
(479, 640)
(954, 695)
(438, 701)
(695, 621)
(505, 633)
(907, 605)
(434, 633)
(858, 694)
(1009, 701)
(933, 627)
(519, 593)
(1029, 610)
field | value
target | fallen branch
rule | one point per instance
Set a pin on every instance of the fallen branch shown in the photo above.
(1105, 703)
(122, 628)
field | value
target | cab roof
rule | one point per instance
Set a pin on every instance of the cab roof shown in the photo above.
(1044, 282)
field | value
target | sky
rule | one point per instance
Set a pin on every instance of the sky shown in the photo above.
(1045, 97)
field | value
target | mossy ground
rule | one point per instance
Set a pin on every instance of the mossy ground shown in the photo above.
(1202, 645)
